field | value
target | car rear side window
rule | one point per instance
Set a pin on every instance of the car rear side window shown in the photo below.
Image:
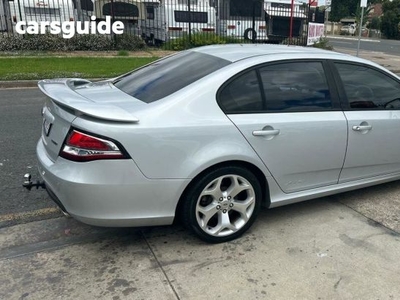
(167, 76)
(367, 88)
(242, 94)
(295, 86)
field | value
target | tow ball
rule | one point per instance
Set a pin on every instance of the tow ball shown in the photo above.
(28, 184)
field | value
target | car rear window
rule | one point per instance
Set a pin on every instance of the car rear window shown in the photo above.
(165, 77)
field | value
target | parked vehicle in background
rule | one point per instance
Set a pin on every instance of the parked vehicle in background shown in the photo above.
(50, 10)
(271, 19)
(278, 15)
(235, 19)
(165, 20)
(348, 29)
(42, 10)
(85, 11)
(129, 12)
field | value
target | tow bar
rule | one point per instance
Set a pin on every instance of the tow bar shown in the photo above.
(28, 184)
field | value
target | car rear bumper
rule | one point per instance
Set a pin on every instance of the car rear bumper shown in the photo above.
(112, 193)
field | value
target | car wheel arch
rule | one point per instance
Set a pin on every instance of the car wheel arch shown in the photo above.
(266, 202)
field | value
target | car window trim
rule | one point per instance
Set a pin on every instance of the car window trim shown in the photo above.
(262, 90)
(340, 85)
(328, 77)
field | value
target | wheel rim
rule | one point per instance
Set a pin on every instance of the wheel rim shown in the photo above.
(225, 205)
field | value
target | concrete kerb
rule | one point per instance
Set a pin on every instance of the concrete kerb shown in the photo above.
(27, 83)
(18, 84)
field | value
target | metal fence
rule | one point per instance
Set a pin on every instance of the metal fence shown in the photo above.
(167, 21)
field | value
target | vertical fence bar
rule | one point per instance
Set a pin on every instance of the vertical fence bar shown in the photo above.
(253, 36)
(114, 36)
(79, 10)
(20, 13)
(291, 22)
(307, 21)
(190, 22)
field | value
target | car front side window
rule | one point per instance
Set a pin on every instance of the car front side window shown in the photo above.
(367, 88)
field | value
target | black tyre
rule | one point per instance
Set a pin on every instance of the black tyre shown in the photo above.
(249, 33)
(222, 204)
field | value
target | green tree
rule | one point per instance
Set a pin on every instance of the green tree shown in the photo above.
(390, 20)
(343, 8)
(375, 23)
(367, 11)
(347, 8)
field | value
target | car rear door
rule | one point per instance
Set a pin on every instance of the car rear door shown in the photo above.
(290, 115)
(372, 102)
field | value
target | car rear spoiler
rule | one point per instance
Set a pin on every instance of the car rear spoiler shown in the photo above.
(62, 91)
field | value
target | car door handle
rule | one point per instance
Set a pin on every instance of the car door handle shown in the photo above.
(266, 132)
(362, 127)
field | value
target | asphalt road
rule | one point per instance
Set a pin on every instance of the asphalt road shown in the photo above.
(386, 46)
(20, 123)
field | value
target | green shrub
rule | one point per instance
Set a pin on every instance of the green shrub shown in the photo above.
(123, 53)
(43, 42)
(88, 42)
(129, 42)
(323, 43)
(11, 43)
(199, 39)
(50, 42)
(299, 41)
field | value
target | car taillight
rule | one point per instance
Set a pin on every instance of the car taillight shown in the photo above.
(80, 146)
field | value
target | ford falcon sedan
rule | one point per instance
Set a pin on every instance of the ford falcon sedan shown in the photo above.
(212, 134)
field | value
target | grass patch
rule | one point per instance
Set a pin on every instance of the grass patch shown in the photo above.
(25, 68)
(123, 53)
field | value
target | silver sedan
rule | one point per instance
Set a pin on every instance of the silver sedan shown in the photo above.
(212, 134)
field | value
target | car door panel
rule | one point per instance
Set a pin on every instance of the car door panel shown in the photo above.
(375, 151)
(301, 150)
(373, 115)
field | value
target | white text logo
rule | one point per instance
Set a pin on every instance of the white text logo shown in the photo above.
(69, 28)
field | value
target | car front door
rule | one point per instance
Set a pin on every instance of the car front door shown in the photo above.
(291, 118)
(373, 114)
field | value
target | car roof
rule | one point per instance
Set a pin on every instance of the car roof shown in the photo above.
(236, 52)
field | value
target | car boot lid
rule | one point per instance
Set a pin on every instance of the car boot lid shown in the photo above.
(100, 100)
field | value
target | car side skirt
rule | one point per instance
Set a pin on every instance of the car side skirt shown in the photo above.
(278, 198)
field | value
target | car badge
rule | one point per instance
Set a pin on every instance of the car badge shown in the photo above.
(46, 127)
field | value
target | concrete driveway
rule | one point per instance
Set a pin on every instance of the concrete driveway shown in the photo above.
(321, 249)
